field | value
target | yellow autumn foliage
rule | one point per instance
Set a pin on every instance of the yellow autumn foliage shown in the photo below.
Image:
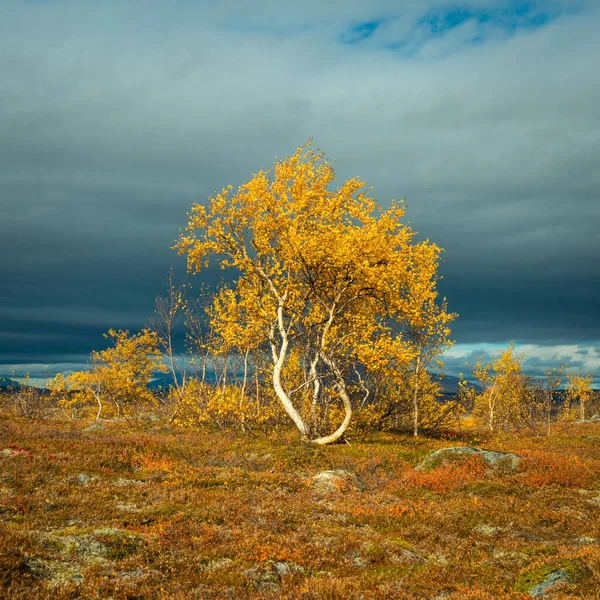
(224, 406)
(506, 397)
(579, 394)
(117, 377)
(323, 272)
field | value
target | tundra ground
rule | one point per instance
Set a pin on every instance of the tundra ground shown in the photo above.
(115, 511)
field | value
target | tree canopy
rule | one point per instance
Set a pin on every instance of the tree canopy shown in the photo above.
(324, 274)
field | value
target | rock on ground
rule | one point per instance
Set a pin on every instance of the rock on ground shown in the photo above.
(95, 427)
(557, 576)
(267, 577)
(331, 481)
(84, 478)
(494, 460)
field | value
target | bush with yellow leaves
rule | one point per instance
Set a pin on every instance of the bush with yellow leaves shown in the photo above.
(506, 396)
(226, 406)
(118, 376)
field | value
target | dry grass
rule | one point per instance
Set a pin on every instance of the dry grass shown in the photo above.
(151, 513)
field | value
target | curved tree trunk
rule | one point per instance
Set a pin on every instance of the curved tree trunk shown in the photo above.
(97, 397)
(279, 357)
(341, 389)
(337, 434)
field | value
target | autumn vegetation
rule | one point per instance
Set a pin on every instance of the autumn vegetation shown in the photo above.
(279, 460)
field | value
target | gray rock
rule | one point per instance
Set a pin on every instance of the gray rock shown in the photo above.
(487, 530)
(95, 427)
(282, 569)
(84, 478)
(494, 460)
(331, 481)
(267, 576)
(84, 546)
(264, 577)
(112, 531)
(360, 561)
(134, 574)
(556, 576)
(586, 540)
(125, 482)
(219, 563)
(126, 507)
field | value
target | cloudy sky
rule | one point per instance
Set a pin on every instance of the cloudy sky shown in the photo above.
(116, 116)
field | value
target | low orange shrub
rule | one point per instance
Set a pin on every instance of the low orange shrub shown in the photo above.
(545, 468)
(447, 478)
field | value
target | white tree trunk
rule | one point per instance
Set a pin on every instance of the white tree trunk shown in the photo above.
(416, 400)
(341, 389)
(243, 390)
(279, 356)
(97, 396)
(281, 394)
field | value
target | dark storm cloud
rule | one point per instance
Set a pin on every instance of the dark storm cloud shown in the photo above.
(117, 116)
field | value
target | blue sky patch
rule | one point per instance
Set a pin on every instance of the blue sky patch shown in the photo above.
(441, 22)
(360, 32)
(508, 16)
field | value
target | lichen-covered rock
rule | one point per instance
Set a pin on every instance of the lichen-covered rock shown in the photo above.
(95, 427)
(267, 576)
(554, 577)
(331, 481)
(539, 581)
(85, 546)
(84, 478)
(494, 460)
(487, 530)
(125, 482)
(131, 574)
(127, 507)
(218, 564)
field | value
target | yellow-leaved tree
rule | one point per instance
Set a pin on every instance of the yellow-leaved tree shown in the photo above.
(324, 275)
(506, 395)
(429, 334)
(546, 392)
(118, 375)
(578, 392)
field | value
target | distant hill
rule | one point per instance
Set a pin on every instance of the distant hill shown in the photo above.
(450, 383)
(9, 384)
(164, 381)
